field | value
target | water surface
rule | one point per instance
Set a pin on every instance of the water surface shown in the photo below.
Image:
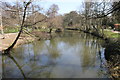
(69, 55)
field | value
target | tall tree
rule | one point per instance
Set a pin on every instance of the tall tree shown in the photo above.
(116, 14)
(26, 4)
(52, 13)
(71, 19)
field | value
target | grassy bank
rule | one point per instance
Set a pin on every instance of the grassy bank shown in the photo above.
(11, 30)
(111, 34)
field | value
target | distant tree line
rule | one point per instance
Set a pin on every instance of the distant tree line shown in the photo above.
(94, 16)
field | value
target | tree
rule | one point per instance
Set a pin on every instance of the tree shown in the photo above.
(1, 27)
(26, 4)
(26, 10)
(52, 13)
(11, 15)
(71, 19)
(115, 14)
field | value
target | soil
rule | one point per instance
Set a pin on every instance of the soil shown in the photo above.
(7, 39)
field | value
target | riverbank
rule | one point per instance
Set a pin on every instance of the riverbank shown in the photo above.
(108, 35)
(7, 39)
(112, 40)
(10, 37)
(112, 51)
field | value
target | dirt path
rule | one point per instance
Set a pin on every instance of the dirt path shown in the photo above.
(113, 31)
(10, 37)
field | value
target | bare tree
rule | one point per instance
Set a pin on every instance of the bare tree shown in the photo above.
(26, 20)
(51, 13)
(26, 4)
(95, 13)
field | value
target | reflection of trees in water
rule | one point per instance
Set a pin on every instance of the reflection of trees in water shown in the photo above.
(110, 53)
(40, 71)
(47, 45)
(3, 67)
(52, 48)
(16, 63)
(31, 51)
(53, 53)
(35, 71)
(38, 46)
(32, 59)
(81, 37)
(88, 55)
(92, 52)
(43, 70)
(91, 47)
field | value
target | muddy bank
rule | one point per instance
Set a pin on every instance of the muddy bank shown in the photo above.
(24, 38)
(10, 37)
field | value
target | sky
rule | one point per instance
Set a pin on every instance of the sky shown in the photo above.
(65, 6)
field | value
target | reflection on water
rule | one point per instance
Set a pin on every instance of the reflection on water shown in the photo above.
(70, 55)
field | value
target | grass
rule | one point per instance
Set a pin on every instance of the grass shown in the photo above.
(110, 34)
(45, 30)
(11, 30)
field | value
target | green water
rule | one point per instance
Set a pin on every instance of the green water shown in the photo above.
(69, 55)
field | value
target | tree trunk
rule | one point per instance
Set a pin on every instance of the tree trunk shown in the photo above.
(7, 51)
(1, 27)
